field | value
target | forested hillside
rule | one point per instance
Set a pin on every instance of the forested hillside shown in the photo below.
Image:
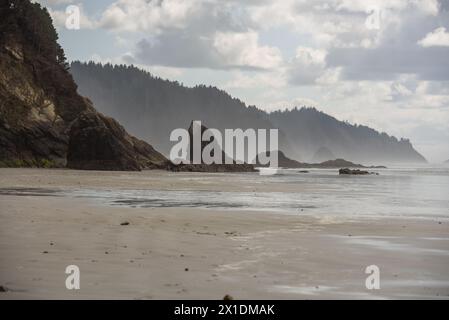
(152, 107)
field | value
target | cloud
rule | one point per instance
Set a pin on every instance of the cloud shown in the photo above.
(387, 63)
(397, 51)
(437, 38)
(215, 51)
(307, 66)
(191, 34)
(269, 80)
(156, 16)
(243, 50)
(143, 15)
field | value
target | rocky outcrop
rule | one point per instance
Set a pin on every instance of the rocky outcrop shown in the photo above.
(44, 122)
(348, 171)
(285, 162)
(338, 163)
(100, 142)
(215, 167)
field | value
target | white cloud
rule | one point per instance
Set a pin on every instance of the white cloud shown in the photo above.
(268, 80)
(329, 77)
(230, 50)
(437, 38)
(307, 66)
(143, 15)
(243, 50)
(191, 34)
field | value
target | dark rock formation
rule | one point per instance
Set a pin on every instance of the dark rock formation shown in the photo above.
(348, 171)
(220, 167)
(100, 142)
(338, 163)
(44, 122)
(204, 144)
(285, 162)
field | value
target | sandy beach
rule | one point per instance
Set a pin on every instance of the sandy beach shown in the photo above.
(126, 252)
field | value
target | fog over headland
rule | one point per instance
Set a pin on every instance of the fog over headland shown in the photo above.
(377, 63)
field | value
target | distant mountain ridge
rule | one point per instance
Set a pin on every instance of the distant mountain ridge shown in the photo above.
(151, 108)
(311, 131)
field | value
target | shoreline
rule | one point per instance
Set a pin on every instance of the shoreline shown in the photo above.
(186, 253)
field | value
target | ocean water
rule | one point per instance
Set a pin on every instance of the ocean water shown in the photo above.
(397, 192)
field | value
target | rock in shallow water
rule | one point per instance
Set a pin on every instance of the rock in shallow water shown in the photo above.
(347, 171)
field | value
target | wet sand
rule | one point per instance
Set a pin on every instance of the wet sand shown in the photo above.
(192, 253)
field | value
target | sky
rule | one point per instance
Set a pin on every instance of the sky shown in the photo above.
(382, 63)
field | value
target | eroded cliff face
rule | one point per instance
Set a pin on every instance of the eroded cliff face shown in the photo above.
(32, 133)
(96, 141)
(44, 122)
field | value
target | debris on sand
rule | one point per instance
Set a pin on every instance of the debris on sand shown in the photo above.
(228, 297)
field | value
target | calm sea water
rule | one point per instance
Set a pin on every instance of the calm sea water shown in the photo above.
(419, 192)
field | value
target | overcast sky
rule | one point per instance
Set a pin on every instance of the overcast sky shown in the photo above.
(380, 63)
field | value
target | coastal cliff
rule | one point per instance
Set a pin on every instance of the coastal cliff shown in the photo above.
(44, 122)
